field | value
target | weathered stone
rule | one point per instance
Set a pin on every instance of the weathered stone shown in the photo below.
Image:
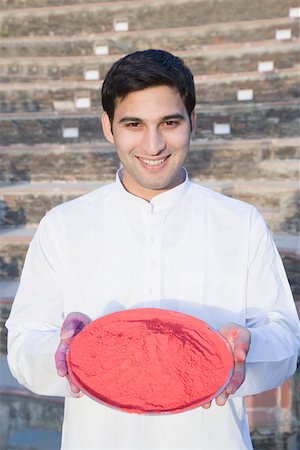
(218, 159)
(12, 258)
(209, 90)
(101, 18)
(10, 4)
(171, 39)
(4, 313)
(260, 150)
(19, 411)
(222, 60)
(249, 121)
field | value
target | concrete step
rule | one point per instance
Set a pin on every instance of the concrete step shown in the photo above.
(281, 197)
(34, 438)
(59, 96)
(8, 5)
(8, 289)
(26, 203)
(14, 242)
(96, 17)
(70, 162)
(29, 421)
(217, 159)
(171, 39)
(208, 59)
(236, 120)
(5, 307)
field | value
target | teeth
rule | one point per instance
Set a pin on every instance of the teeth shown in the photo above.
(153, 163)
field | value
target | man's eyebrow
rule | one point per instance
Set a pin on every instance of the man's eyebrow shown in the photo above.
(130, 119)
(177, 116)
(173, 116)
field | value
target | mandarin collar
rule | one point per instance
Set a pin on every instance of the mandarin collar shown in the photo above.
(158, 203)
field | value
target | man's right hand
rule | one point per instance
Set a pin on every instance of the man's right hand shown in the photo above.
(72, 325)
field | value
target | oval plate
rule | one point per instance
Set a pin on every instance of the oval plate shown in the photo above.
(150, 361)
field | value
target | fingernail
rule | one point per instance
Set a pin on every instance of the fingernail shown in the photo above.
(67, 334)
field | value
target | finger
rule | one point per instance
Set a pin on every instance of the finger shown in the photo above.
(206, 405)
(241, 347)
(240, 353)
(60, 359)
(73, 324)
(75, 389)
(221, 399)
(236, 379)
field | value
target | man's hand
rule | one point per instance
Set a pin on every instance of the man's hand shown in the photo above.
(72, 325)
(239, 340)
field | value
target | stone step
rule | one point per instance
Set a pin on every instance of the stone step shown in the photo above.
(14, 244)
(5, 307)
(39, 420)
(208, 59)
(8, 289)
(71, 162)
(140, 15)
(34, 438)
(235, 120)
(8, 5)
(280, 198)
(216, 159)
(171, 39)
(26, 203)
(60, 95)
(13, 247)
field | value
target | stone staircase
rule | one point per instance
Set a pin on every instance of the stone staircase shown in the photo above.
(54, 55)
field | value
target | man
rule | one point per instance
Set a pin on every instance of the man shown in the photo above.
(153, 239)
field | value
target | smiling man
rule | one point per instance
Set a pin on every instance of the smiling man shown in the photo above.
(153, 239)
(151, 144)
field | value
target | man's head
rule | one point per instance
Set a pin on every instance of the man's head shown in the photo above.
(145, 69)
(148, 99)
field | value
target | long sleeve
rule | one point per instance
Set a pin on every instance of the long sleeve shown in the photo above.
(37, 314)
(271, 315)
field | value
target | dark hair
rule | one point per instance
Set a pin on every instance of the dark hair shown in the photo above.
(144, 69)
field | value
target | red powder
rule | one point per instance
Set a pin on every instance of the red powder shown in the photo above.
(150, 361)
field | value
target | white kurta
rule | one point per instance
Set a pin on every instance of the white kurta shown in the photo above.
(191, 250)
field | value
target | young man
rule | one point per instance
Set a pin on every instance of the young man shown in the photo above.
(153, 239)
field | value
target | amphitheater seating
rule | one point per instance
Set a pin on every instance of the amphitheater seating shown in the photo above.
(54, 56)
(58, 96)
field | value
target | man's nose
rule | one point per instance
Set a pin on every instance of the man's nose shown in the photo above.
(153, 142)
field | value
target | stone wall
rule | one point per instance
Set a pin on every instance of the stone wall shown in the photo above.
(45, 51)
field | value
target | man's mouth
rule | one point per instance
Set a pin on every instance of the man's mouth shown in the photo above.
(153, 162)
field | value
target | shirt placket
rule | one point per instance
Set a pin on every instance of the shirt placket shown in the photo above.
(154, 221)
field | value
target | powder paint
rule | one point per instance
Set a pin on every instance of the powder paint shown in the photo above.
(150, 361)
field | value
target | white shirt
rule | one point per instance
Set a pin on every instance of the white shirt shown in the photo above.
(189, 249)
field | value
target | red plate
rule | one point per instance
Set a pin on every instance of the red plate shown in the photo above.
(150, 361)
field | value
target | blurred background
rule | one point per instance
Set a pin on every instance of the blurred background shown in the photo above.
(54, 55)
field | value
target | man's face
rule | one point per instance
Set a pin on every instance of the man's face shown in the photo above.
(151, 131)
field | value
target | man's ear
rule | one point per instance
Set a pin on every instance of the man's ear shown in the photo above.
(107, 128)
(193, 123)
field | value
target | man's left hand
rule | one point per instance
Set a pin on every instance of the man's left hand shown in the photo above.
(239, 339)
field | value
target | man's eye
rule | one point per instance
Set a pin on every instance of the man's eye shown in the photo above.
(133, 124)
(171, 123)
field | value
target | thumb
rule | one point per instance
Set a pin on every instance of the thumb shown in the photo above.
(73, 324)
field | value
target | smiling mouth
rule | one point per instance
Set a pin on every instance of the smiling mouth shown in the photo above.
(153, 162)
